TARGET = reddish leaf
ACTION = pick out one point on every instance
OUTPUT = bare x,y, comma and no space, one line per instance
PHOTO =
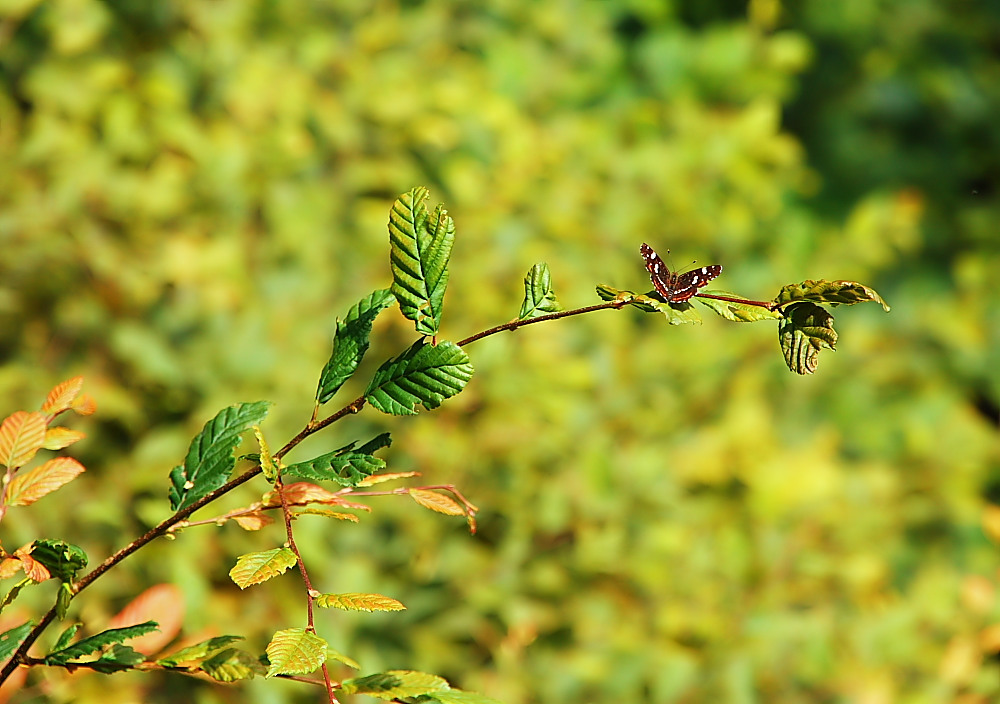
163,603
437,502
29,487
253,521
62,396
22,434
84,405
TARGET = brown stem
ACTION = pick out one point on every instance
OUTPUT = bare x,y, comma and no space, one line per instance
745,301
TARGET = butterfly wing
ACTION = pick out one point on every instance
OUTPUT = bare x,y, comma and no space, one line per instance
688,283
675,288
659,273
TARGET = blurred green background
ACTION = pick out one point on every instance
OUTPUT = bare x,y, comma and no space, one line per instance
192,191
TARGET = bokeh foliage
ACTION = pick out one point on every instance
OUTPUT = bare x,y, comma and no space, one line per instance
192,191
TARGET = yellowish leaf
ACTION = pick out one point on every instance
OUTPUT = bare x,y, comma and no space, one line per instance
257,567
22,434
388,477
329,514
991,522
9,566
59,437
29,487
62,396
33,568
84,405
359,602
436,501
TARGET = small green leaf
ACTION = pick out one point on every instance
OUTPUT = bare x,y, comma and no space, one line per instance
359,602
676,313
198,652
350,342
100,641
425,374
63,597
459,696
346,469
119,658
638,300
341,658
539,298
256,567
737,312
66,637
806,329
210,460
295,651
232,665
63,560
420,247
376,443
13,592
11,639
832,293
396,684
267,465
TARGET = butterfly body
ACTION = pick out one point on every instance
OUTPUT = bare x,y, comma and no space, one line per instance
676,287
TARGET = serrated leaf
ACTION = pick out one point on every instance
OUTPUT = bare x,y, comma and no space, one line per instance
806,329
62,559
119,658
359,602
295,651
13,592
833,293
376,443
62,396
396,684
267,466
436,501
11,639
329,513
350,342
210,459
28,487
59,437
419,250
347,469
539,297
102,640
256,567
737,312
676,313
460,696
255,520
232,665
391,476
425,374
22,434
66,637
198,652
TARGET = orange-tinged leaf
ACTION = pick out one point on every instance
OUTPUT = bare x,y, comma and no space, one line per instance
33,568
62,396
329,514
9,566
388,477
28,487
59,437
163,603
436,501
22,434
85,405
300,493
253,521
359,602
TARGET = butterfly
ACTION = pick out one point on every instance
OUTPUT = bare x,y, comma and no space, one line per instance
676,287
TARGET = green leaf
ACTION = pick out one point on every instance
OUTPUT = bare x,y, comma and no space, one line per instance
66,637
424,374
832,293
13,592
376,443
63,597
11,639
340,657
675,313
256,567
737,312
396,684
232,665
539,298
121,657
420,247
359,602
100,641
199,651
347,469
295,651
458,696
350,342
63,560
210,460
806,329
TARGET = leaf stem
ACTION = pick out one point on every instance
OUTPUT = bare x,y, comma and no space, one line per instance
770,305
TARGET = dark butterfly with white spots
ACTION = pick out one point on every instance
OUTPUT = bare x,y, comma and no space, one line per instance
672,286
